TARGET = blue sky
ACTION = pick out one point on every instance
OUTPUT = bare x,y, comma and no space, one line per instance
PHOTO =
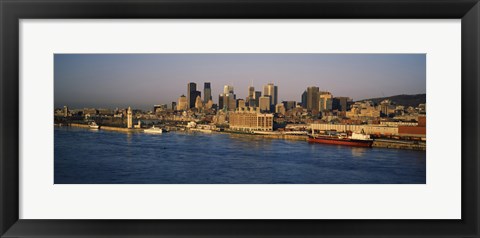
142,80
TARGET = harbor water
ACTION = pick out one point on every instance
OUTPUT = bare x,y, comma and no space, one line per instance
84,156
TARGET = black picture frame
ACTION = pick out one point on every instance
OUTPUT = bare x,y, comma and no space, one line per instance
11,11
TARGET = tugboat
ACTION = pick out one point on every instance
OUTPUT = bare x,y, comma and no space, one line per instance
153,130
356,139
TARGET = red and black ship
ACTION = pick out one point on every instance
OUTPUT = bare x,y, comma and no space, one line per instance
356,139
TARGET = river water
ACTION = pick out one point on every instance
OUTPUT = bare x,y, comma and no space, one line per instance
84,156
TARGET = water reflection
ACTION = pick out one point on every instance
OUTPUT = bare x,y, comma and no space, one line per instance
359,151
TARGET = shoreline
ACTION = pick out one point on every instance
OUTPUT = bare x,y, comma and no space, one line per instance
378,143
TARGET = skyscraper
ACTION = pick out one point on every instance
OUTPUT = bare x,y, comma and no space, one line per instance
191,88
304,99
251,93
207,92
192,94
270,90
230,101
264,103
341,103
325,101
228,98
313,94
227,89
220,101
257,95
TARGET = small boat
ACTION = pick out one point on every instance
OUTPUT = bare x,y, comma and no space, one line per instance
153,130
93,125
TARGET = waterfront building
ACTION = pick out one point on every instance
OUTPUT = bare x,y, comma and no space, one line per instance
368,129
207,92
182,103
280,108
174,105
247,120
264,103
129,118
313,98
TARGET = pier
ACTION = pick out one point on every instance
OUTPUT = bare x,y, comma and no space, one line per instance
108,128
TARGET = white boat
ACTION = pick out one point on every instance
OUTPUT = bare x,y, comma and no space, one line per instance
93,125
153,130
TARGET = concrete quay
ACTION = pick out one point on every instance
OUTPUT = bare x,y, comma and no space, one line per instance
395,144
108,128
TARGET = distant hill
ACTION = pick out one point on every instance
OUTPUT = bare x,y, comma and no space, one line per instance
405,100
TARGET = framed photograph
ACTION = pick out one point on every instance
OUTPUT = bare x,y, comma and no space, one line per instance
239,118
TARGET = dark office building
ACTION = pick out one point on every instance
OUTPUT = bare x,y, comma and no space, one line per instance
304,99
313,95
207,92
191,88
340,103
220,101
192,94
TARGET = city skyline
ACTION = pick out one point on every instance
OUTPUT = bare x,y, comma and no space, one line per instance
143,80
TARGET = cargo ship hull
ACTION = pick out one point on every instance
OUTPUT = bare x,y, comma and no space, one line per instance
338,141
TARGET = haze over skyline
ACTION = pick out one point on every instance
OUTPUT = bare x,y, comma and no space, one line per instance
143,80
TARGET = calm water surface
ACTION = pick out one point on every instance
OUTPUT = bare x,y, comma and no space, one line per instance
85,156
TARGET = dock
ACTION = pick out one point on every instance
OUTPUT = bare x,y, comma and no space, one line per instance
399,144
108,128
